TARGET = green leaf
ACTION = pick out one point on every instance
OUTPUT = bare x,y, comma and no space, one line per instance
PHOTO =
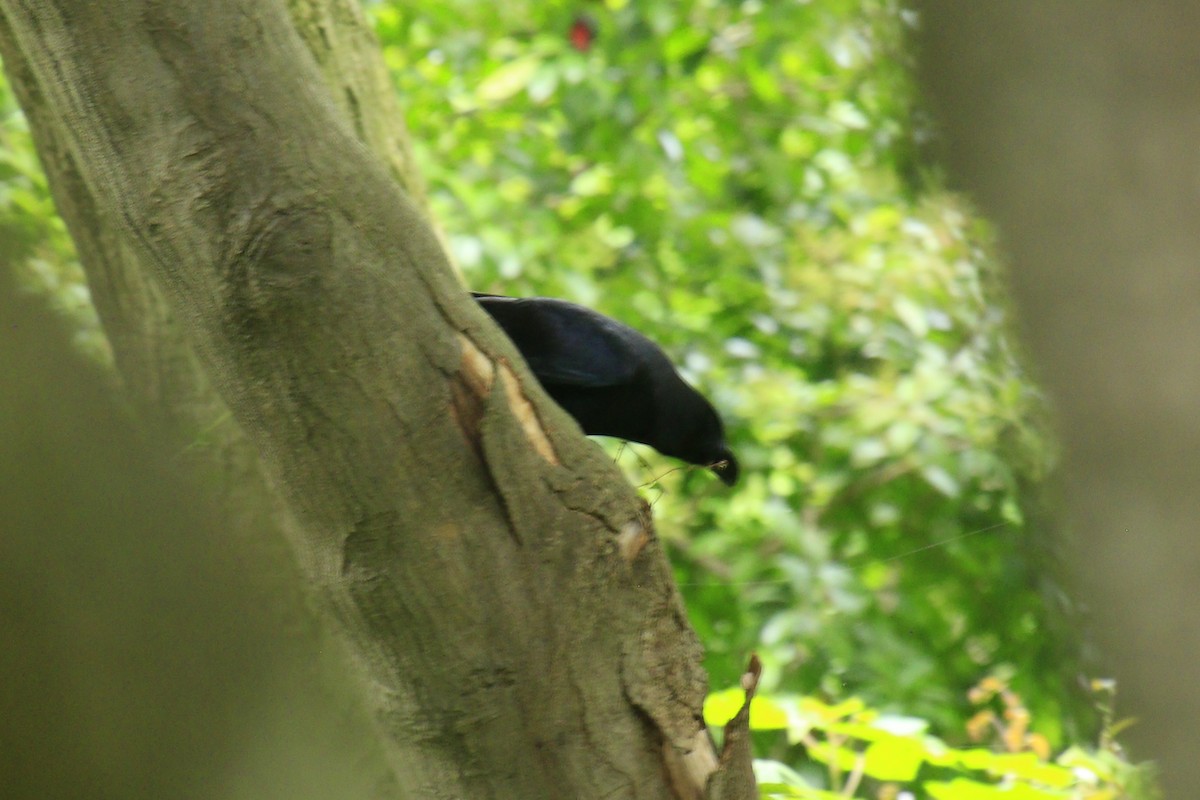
963,789
507,79
1027,766
592,182
868,450
765,714
844,758
722,706
912,315
941,480
894,758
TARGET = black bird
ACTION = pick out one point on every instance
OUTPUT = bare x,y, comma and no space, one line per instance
612,379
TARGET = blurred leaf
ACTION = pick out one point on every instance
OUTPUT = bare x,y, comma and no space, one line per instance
507,80
894,758
720,707
963,789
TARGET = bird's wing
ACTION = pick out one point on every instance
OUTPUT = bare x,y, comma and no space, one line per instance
566,344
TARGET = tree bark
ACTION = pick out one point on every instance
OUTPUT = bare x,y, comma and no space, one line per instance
340,39
155,362
496,577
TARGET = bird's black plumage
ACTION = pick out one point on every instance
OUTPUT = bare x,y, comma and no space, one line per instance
613,380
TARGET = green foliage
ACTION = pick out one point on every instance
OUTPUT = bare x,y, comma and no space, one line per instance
736,180
850,750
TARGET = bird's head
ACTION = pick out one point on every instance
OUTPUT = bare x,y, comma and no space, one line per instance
703,442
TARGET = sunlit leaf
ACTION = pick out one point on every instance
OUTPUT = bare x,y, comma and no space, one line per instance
963,789
765,714
894,758
507,79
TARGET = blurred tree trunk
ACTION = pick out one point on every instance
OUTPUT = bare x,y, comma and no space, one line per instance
1076,126
143,653
496,578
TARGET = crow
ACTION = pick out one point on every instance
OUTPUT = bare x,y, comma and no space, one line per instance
613,380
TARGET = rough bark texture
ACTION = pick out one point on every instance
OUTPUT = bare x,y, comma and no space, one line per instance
1076,125
156,363
346,50
499,582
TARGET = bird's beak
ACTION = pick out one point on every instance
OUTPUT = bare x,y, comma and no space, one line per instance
726,469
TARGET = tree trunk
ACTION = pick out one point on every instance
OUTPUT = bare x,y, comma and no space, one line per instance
499,581
1076,127
155,361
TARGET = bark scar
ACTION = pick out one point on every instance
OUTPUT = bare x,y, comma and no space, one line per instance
477,370
469,388
475,380
527,415
635,534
